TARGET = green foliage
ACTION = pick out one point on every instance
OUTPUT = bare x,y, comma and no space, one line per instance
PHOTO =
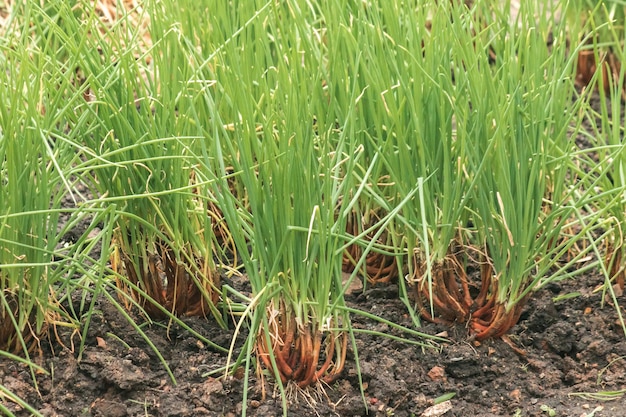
38,264
444,131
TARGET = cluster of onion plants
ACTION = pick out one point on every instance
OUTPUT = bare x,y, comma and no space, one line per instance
414,95
372,250
78,108
142,134
288,155
471,115
283,135
520,160
42,268
600,26
289,143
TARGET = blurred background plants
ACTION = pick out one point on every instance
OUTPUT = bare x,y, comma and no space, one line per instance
599,25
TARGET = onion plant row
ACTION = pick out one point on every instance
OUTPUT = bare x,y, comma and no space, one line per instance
299,146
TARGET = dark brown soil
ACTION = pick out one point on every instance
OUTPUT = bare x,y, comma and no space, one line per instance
571,347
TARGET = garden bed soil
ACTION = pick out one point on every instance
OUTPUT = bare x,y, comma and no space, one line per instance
556,352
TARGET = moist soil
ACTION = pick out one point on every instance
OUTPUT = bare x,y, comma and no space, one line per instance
556,361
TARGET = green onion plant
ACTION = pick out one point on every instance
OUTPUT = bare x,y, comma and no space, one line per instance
479,126
372,244
522,148
278,130
41,268
414,90
142,136
288,157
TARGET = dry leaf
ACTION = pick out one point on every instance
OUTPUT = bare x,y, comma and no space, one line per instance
438,409
437,373
101,342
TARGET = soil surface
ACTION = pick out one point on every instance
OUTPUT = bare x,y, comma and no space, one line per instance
558,351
